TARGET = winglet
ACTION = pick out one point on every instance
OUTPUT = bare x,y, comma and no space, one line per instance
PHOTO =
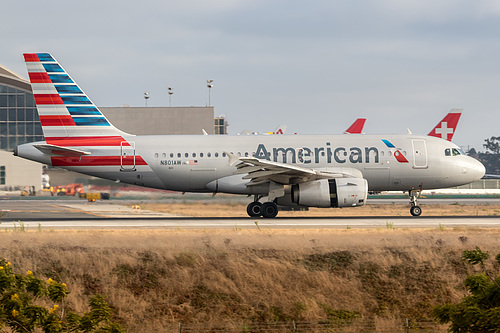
356,127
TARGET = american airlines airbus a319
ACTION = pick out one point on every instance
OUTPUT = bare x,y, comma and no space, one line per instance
296,170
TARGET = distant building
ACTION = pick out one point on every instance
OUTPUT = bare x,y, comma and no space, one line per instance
220,125
19,123
162,120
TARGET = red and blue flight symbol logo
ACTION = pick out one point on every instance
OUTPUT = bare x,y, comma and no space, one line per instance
397,153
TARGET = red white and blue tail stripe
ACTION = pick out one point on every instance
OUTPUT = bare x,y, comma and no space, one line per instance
65,111
76,133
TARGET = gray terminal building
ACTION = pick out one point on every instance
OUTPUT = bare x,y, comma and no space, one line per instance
19,123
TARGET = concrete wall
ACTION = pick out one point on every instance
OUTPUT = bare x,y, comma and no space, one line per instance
161,120
20,172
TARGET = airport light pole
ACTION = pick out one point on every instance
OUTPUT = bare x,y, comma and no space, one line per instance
210,86
170,93
146,96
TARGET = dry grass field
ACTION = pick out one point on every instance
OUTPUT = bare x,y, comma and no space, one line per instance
239,210
155,279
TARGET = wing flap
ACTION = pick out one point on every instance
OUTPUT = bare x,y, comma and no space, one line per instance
259,171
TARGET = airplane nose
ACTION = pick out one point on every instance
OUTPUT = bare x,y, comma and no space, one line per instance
477,170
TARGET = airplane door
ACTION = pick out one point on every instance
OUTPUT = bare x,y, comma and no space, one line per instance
419,154
127,156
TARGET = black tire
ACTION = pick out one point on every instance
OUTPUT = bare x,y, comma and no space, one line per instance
269,210
415,211
105,196
254,209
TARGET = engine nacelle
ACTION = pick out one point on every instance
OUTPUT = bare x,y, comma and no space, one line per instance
338,192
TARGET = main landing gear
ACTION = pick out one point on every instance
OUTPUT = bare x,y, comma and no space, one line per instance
266,210
415,210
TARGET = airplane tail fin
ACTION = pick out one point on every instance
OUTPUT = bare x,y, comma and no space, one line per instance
68,117
356,127
445,129
281,129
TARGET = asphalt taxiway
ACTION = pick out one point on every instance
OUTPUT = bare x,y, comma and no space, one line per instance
78,214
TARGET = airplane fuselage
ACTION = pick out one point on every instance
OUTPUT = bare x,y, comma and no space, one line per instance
191,163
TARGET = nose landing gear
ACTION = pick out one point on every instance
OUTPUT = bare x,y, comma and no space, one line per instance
415,210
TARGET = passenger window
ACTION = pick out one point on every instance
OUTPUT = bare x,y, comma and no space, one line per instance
389,153
178,154
382,153
209,154
171,154
455,152
156,155
194,154
186,155
164,155
246,154
223,154
447,152
216,154
201,154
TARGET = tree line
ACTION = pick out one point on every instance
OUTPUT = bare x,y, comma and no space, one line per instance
490,157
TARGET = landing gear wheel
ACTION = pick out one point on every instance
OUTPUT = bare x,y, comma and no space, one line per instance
254,209
415,210
269,210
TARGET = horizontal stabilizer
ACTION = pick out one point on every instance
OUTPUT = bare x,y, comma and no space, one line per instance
60,151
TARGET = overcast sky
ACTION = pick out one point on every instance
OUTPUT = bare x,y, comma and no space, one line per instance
312,65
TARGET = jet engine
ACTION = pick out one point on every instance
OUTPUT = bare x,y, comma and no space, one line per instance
338,192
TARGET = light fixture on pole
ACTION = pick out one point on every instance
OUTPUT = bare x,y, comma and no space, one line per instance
146,96
210,86
170,93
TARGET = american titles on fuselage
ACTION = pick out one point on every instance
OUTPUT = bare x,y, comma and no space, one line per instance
326,154
307,155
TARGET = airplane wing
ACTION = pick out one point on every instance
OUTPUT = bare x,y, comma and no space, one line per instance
60,151
262,171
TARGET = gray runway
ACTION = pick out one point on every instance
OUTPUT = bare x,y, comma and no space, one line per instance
78,214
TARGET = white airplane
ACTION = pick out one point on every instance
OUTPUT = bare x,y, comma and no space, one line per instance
355,128
304,170
281,129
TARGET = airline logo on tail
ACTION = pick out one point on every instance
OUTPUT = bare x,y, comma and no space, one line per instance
70,119
445,129
61,101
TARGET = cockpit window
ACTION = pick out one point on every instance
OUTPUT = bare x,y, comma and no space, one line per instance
453,151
